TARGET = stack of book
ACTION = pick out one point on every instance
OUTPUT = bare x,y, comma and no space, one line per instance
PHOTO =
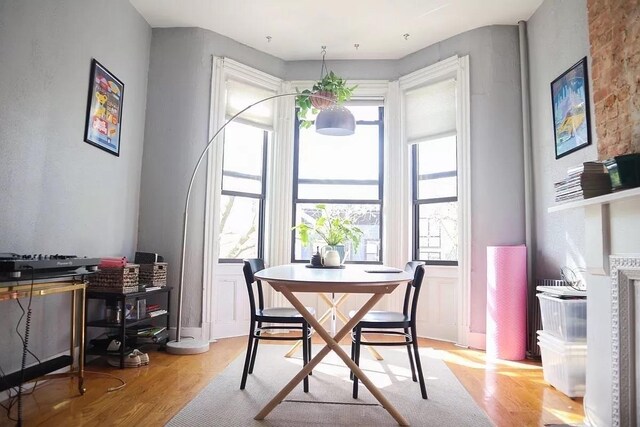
154,310
589,179
149,334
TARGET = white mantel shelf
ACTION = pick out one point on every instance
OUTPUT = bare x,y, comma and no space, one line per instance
600,200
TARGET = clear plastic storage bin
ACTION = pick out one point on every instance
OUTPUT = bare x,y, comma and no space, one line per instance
564,364
564,318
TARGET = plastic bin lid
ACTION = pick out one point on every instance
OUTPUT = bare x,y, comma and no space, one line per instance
561,346
561,291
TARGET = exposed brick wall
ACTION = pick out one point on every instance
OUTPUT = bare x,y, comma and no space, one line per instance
614,33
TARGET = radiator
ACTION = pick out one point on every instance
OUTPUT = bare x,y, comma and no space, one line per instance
534,319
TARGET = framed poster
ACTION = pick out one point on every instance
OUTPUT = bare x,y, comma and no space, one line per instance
570,101
104,109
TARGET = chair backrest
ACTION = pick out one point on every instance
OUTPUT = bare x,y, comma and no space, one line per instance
250,268
413,288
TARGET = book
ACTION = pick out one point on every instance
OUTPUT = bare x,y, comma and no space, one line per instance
152,288
156,313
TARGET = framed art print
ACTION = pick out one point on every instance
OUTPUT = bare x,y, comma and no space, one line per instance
104,109
570,101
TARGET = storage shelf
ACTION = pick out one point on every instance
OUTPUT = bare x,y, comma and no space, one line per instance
97,294
600,200
130,322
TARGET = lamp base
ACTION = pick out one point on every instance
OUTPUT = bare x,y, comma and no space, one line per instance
187,346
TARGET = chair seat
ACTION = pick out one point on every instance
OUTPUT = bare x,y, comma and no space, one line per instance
374,317
282,312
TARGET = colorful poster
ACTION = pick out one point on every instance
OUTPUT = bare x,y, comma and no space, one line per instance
570,98
104,110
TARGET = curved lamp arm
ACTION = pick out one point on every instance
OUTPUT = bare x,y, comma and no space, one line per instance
193,176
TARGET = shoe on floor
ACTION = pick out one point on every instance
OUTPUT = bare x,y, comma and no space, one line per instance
144,357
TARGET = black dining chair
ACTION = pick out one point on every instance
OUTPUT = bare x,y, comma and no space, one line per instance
383,322
290,317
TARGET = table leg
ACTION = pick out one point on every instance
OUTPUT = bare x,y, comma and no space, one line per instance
83,313
372,350
321,320
332,344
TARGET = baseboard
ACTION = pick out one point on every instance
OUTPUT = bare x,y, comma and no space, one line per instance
477,340
4,395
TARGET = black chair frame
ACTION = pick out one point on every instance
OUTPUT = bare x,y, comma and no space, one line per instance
252,266
408,326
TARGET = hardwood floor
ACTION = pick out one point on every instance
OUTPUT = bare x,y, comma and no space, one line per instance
510,393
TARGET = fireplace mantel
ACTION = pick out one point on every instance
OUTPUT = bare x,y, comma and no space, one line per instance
598,226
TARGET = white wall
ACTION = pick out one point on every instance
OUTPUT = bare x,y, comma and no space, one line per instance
59,194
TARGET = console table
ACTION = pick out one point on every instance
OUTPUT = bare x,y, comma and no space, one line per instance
77,289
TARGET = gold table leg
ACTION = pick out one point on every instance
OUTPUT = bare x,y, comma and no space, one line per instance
332,344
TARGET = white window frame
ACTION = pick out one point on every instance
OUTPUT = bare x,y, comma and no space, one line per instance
221,69
458,68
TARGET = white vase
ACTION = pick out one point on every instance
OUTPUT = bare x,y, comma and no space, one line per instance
331,258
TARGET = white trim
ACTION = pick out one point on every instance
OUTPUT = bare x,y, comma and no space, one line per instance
457,68
222,68
477,340
365,88
625,271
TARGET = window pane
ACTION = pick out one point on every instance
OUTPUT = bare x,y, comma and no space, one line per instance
435,188
243,155
353,158
437,168
365,217
438,231
239,227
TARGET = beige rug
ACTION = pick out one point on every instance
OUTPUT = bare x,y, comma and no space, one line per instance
222,403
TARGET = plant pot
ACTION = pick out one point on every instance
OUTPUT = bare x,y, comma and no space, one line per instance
322,103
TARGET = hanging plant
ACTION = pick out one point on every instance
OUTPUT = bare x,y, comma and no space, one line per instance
332,90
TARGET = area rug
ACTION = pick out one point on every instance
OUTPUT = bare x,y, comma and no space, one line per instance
221,403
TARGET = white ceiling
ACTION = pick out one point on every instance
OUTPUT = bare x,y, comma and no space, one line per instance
298,28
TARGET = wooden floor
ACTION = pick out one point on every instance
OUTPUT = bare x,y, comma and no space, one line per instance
510,393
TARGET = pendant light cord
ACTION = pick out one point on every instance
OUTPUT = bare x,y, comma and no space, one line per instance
323,68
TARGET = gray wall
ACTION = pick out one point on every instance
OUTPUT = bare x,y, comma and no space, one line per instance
176,132
59,194
558,38
497,179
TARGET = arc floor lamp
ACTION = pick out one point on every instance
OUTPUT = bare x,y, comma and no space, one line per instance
335,120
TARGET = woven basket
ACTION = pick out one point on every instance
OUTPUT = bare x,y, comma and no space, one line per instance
153,274
123,280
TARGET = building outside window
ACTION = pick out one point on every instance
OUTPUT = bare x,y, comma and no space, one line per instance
435,201
345,174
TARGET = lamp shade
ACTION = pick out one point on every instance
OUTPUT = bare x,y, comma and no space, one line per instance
336,121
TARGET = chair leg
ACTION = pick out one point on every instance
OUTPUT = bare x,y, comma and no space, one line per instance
255,348
309,346
356,360
353,351
247,359
305,355
408,341
423,387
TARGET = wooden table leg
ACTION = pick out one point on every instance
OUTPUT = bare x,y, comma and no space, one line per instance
372,350
332,344
321,320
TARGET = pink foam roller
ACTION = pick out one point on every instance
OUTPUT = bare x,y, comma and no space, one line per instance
507,302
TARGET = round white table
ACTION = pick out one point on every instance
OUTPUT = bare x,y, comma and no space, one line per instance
375,280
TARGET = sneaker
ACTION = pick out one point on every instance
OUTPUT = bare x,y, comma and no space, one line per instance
144,357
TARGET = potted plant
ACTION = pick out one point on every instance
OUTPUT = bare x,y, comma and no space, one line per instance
331,86
332,227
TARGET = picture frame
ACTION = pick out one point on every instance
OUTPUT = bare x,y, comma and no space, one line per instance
104,109
570,104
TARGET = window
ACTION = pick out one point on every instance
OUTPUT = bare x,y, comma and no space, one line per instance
431,129
435,201
243,192
345,174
